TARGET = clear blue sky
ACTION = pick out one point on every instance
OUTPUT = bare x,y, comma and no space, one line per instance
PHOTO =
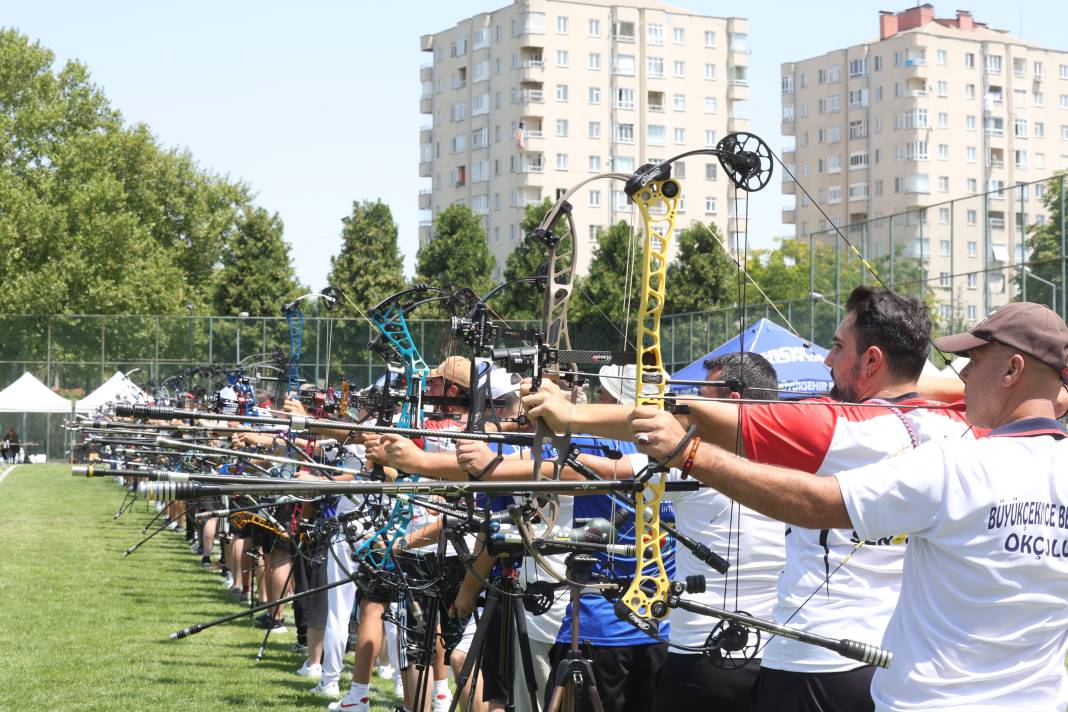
317,104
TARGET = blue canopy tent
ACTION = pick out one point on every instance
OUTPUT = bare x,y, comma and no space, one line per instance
798,363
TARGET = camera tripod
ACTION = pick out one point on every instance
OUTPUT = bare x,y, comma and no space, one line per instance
574,684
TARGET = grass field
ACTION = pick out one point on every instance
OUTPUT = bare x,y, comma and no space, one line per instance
82,628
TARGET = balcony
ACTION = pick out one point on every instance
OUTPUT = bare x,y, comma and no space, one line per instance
788,128
789,156
789,215
738,59
426,135
997,223
789,187
532,96
625,39
738,90
655,108
424,199
426,169
426,73
426,231
531,70
426,105
426,43
738,123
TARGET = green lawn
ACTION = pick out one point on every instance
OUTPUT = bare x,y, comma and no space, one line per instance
83,628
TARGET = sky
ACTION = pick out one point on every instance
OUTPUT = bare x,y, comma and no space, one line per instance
316,105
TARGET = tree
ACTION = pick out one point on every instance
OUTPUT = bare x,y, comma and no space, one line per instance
257,273
702,275
369,266
457,254
604,304
529,259
1044,243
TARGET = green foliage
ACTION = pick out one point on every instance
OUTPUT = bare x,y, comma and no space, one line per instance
257,274
369,266
702,274
1044,243
523,301
604,304
456,254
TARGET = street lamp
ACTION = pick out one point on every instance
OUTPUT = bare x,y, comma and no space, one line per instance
240,318
1027,272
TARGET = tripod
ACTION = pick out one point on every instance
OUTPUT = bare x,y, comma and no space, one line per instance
504,614
573,678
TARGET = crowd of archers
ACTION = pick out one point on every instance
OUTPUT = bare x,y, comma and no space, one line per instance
556,542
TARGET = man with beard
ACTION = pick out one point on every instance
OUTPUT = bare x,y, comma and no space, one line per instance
834,583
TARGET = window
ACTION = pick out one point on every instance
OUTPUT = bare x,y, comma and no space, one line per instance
594,95
459,111
971,155
858,191
594,129
624,133
655,34
972,216
1019,128
943,88
1038,99
973,281
969,123
1064,132
678,35
973,312
481,38
1019,98
834,134
561,92
561,128
943,184
680,169
710,41
561,161
973,246
459,143
562,58
943,120
1021,159
480,71
858,159
971,185
595,164
858,98
593,28
480,104
593,61
834,73
834,195
710,205
480,204
624,98
834,163
858,67
678,69
943,245
710,104
969,60
943,57
561,25
1040,129
711,170
624,65
710,72
969,91
710,137
623,164
993,63
679,135
943,151
916,151
858,129
834,103
656,134
595,199
655,67
788,84
1064,101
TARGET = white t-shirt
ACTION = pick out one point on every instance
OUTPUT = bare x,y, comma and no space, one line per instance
982,623
860,596
545,627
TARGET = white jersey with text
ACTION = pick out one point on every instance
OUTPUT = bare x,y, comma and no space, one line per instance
817,592
982,623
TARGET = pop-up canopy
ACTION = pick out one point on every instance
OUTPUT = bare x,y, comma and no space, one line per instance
28,395
117,389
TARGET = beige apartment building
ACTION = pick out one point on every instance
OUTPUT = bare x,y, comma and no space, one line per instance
529,100
934,109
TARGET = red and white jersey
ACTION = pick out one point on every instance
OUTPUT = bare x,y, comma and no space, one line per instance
859,598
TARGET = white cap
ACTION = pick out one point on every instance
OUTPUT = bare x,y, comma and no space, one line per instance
619,381
502,383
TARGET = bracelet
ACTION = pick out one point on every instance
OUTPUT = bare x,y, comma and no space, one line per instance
687,465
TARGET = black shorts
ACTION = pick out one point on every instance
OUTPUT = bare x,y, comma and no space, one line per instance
783,691
694,682
309,571
626,676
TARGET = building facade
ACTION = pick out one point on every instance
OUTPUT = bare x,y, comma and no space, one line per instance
939,118
531,99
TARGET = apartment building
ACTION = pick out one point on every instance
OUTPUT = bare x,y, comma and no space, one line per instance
529,100
935,109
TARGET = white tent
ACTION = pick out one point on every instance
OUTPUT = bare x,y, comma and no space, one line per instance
28,395
117,389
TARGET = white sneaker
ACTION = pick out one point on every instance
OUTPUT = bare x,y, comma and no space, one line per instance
384,671
329,689
441,703
351,704
228,580
398,685
313,672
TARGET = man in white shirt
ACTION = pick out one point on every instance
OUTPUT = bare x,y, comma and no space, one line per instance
982,621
